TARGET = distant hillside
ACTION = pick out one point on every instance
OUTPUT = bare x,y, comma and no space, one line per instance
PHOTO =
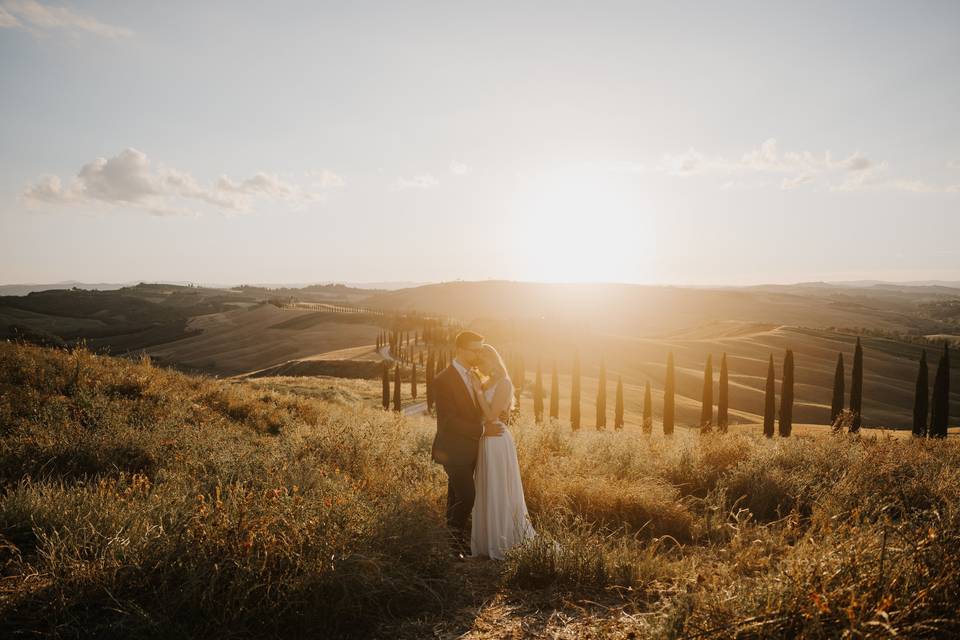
633,328
24,289
641,310
167,320
121,320
263,336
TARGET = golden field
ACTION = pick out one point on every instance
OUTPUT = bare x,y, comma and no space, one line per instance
141,502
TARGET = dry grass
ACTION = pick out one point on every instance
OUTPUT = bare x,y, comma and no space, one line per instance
139,502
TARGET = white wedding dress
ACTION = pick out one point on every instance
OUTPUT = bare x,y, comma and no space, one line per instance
500,517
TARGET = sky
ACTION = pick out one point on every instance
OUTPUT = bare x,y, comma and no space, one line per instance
649,142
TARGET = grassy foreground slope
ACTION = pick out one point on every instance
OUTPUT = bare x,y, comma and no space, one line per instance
141,502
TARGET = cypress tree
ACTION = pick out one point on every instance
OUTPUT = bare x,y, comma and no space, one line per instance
396,389
413,380
706,407
386,386
856,389
555,393
940,404
836,406
421,358
723,402
431,364
668,397
647,410
575,393
786,396
769,401
602,397
538,396
921,398
618,409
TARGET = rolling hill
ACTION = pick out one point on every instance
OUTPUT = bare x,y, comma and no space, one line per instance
633,328
233,332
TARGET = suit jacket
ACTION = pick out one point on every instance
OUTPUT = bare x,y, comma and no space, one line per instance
459,421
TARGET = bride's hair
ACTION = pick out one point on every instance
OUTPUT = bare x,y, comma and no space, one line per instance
501,372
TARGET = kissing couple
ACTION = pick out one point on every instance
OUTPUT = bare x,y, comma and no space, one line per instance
474,396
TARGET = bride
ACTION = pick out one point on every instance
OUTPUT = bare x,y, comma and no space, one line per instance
500,517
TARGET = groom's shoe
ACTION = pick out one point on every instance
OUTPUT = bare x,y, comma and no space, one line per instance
461,551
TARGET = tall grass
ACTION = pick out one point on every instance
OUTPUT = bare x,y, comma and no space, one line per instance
142,502
139,502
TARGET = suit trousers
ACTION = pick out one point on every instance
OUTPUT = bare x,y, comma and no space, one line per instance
461,493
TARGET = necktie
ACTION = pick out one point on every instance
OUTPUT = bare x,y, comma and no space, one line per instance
471,390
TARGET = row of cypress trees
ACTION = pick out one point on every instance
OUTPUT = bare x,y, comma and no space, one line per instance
669,400
774,421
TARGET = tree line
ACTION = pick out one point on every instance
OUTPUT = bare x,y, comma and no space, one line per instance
930,413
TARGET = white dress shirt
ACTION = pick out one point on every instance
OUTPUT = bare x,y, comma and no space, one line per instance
465,376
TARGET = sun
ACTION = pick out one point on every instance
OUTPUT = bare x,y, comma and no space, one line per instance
582,226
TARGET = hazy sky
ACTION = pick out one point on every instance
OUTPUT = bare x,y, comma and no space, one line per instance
700,142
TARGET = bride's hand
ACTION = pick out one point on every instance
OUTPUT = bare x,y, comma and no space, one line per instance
477,386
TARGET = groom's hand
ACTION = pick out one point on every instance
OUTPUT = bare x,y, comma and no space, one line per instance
492,429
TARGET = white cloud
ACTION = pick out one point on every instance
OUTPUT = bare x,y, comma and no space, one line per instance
128,179
953,164
854,172
38,18
125,177
857,162
793,183
459,168
326,179
7,21
263,184
692,162
424,181
49,189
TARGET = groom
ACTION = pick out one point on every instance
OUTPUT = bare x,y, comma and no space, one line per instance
460,425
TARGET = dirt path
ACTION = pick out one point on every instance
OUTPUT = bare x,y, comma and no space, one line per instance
415,409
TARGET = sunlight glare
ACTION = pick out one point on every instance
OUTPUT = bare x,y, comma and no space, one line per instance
583,226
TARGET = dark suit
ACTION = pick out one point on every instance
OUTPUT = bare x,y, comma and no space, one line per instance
459,428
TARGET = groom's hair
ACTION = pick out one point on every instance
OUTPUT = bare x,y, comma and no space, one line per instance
464,338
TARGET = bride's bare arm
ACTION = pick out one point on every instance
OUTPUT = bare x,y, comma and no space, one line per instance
485,406
499,402
501,399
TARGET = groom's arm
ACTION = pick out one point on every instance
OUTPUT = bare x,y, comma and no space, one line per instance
447,414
